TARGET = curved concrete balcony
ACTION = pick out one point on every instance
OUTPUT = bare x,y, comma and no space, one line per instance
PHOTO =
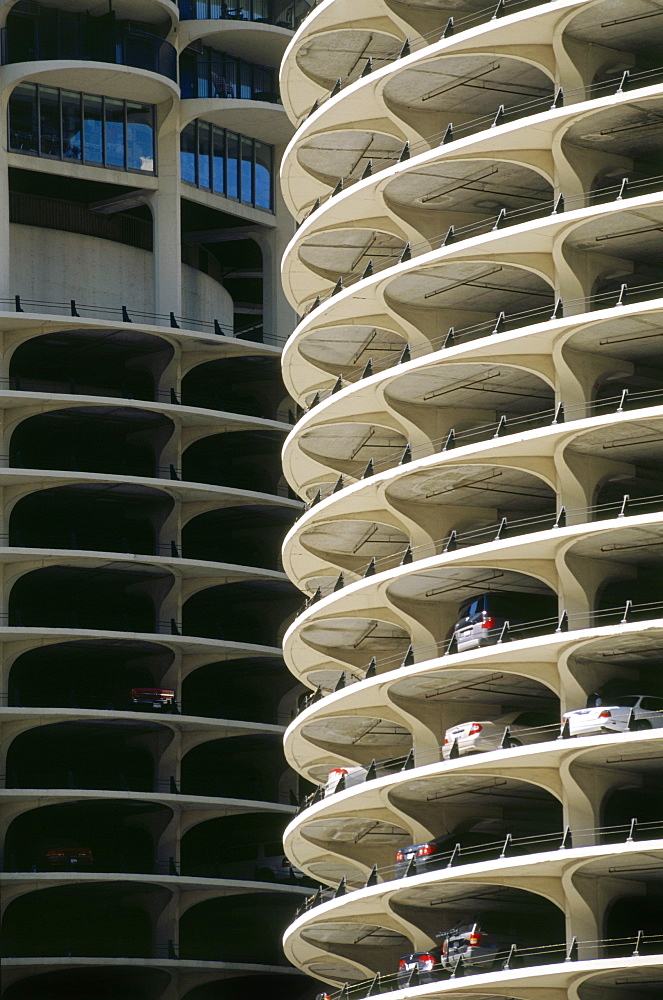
163,12
419,602
400,104
253,40
385,713
185,974
263,120
327,838
95,77
21,315
405,477
412,905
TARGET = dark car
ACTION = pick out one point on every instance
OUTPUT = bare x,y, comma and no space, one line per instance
153,699
481,619
64,856
428,964
432,854
484,942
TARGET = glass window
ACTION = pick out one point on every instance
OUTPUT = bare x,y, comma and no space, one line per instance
232,189
188,154
140,137
264,197
49,120
115,133
23,118
219,160
203,154
247,170
93,129
72,140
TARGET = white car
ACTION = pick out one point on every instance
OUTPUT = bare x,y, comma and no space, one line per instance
477,737
352,775
647,714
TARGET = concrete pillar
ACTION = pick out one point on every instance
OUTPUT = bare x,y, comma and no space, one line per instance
165,207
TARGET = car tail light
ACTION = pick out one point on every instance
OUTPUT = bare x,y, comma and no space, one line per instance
475,728
55,852
402,964
445,741
428,961
426,850
488,622
475,939
85,853
444,947
339,770
400,856
605,714
286,864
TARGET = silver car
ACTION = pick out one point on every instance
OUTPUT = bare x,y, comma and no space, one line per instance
647,714
477,737
482,618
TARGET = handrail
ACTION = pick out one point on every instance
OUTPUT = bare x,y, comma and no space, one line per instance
501,530
623,947
500,116
506,846
497,429
417,655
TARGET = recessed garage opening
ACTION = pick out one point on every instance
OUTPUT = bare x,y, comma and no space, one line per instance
242,767
90,362
86,675
93,517
82,755
249,689
240,929
246,536
244,460
64,597
283,987
630,914
114,441
109,921
87,836
247,847
82,984
253,612
250,385
644,804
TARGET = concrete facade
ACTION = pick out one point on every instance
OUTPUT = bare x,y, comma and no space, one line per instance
478,199
143,503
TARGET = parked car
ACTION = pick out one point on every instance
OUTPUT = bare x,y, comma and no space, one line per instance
614,718
436,853
265,862
64,856
152,699
477,737
482,618
482,942
352,775
427,962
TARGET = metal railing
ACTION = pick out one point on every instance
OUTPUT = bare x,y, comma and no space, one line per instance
282,14
508,846
499,531
502,115
623,614
635,945
505,218
75,39
497,9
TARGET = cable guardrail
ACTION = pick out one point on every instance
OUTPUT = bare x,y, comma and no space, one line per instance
503,323
495,10
635,945
508,846
503,220
502,115
500,428
172,395
122,314
496,532
622,614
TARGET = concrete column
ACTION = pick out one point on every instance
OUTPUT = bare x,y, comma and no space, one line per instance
165,207
5,281
280,318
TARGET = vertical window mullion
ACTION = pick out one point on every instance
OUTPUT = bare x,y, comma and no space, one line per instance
103,131
197,156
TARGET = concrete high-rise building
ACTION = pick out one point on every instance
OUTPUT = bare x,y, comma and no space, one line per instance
144,697
477,268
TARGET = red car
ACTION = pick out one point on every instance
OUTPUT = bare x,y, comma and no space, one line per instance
66,857
152,699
